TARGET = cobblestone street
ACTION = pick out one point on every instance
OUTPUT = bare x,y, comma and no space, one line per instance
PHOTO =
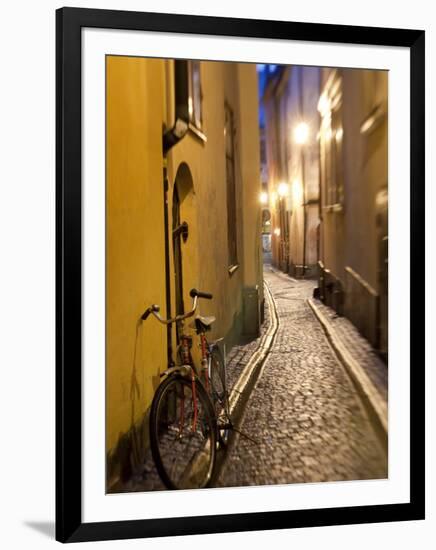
304,413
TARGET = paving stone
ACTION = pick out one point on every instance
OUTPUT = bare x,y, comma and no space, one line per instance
304,414
358,347
304,409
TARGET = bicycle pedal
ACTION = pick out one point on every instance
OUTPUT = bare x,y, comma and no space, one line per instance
226,426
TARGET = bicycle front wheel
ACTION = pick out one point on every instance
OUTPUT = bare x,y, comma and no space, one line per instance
183,434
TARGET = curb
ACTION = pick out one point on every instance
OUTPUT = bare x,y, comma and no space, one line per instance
247,380
252,368
376,403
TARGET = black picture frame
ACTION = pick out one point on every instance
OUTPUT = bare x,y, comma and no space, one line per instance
69,525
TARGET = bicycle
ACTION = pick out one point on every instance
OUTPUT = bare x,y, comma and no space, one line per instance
189,415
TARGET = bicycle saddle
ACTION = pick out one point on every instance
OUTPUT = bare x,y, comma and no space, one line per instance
204,323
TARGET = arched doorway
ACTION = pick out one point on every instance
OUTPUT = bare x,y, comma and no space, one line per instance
184,238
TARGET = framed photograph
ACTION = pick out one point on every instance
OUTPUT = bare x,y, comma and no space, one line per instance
240,228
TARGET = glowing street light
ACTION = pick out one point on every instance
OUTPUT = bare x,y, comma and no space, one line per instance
301,133
323,104
263,197
283,189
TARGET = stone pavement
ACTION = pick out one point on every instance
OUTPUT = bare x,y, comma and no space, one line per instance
239,355
358,347
304,412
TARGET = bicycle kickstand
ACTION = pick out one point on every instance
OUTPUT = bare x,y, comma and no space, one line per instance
245,435
230,426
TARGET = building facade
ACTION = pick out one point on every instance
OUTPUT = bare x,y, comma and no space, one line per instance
354,198
183,212
327,155
291,123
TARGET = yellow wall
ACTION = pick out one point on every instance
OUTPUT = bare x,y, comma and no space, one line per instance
140,98
205,207
249,163
135,238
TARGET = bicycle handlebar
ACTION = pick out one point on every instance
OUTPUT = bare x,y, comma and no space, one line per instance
154,309
194,292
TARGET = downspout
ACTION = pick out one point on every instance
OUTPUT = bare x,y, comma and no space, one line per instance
304,211
303,177
167,261
170,138
321,247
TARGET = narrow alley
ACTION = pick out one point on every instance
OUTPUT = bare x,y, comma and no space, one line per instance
304,413
304,418
247,254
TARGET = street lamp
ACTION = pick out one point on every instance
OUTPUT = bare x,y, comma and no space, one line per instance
301,133
283,190
324,104
263,197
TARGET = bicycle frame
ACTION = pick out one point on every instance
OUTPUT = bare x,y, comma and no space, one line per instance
187,368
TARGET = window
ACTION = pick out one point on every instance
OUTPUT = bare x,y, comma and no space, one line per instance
189,96
229,134
195,95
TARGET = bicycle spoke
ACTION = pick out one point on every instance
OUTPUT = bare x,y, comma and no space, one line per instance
183,448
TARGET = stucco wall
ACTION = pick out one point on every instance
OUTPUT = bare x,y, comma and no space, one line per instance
140,100
134,238
350,235
222,82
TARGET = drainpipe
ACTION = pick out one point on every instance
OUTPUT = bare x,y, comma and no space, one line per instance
303,179
320,259
174,135
167,261
170,138
305,209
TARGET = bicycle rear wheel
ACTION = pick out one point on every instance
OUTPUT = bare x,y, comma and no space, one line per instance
183,434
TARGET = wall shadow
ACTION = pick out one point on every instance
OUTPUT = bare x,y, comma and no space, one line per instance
46,528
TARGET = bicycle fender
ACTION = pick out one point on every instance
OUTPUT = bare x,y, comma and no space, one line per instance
183,370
